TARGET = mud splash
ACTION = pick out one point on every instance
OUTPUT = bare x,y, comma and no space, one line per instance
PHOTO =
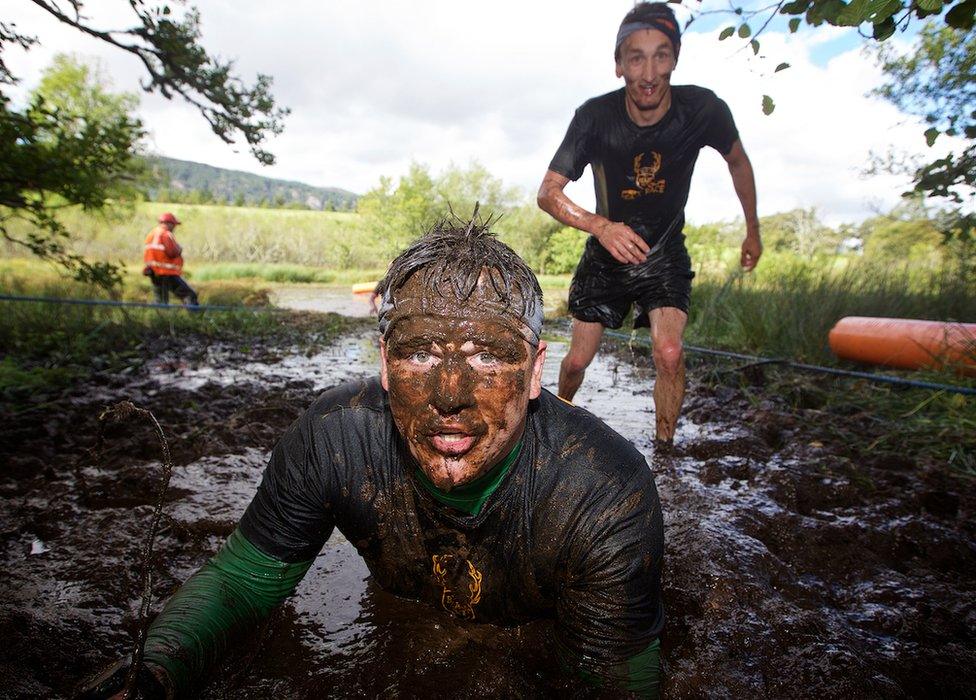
796,566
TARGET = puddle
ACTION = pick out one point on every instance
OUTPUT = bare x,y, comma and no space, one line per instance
793,567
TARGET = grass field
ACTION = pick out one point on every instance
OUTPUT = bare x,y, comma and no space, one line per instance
784,308
236,256
217,234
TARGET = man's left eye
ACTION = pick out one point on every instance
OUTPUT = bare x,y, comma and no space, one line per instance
486,358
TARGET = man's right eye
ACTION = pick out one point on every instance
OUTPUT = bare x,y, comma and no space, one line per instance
421,357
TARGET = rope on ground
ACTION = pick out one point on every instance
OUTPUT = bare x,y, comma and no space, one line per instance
138,304
756,359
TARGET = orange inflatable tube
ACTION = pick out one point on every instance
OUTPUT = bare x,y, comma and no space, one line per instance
905,343
363,287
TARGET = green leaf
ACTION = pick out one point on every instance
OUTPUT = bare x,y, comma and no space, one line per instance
931,135
854,13
726,33
755,46
962,15
781,66
744,31
929,5
825,10
880,9
795,8
768,105
884,29
794,25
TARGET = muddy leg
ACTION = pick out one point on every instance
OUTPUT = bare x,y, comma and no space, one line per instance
667,329
582,349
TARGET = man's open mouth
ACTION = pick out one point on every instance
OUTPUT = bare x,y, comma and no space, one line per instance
452,444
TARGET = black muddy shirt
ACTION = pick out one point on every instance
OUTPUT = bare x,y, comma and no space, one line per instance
642,174
573,532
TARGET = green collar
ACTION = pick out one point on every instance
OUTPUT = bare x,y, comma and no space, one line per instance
471,497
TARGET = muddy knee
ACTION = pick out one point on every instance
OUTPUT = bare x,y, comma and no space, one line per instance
668,356
575,364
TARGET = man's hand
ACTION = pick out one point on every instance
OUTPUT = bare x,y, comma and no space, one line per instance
751,251
622,243
110,684
619,239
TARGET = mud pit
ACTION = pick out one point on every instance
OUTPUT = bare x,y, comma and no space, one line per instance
795,566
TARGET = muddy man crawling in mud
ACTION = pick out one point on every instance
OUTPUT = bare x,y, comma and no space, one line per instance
459,480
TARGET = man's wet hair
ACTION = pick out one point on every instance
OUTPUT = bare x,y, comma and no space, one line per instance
451,259
649,15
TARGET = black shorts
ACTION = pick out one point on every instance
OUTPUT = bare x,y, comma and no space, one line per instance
603,289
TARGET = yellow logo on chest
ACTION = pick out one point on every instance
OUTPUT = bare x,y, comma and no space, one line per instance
644,177
453,574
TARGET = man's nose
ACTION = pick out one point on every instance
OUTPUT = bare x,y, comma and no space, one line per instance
651,70
452,387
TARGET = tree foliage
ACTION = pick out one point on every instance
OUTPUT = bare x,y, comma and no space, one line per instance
74,142
397,212
876,20
167,45
936,80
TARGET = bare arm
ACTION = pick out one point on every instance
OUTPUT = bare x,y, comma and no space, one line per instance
745,188
619,239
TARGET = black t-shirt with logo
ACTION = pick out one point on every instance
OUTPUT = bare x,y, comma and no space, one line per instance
642,175
574,531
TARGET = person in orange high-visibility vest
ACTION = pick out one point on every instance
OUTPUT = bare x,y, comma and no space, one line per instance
164,263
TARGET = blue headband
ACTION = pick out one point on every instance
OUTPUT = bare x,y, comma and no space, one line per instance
664,24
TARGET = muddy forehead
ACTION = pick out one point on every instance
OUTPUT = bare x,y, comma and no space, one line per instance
419,310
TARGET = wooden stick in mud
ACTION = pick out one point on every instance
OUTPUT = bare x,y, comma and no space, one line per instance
122,411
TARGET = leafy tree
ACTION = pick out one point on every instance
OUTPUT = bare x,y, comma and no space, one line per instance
937,81
907,232
167,45
76,148
799,231
74,143
876,20
396,213
530,232
900,240
563,251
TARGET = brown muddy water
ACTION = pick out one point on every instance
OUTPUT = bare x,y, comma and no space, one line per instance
796,566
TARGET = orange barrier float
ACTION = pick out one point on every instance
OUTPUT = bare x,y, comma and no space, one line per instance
905,343
363,287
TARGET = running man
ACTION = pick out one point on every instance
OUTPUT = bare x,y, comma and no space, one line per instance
460,481
641,142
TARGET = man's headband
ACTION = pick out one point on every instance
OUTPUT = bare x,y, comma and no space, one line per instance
662,19
528,320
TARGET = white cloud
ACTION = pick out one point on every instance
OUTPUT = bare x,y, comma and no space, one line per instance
374,86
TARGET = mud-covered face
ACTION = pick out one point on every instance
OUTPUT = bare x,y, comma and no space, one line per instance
459,383
646,62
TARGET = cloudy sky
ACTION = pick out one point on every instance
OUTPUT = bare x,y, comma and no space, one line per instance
374,86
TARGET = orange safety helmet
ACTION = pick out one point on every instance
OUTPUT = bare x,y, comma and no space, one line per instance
168,218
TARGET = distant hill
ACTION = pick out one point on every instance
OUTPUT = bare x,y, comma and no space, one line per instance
186,181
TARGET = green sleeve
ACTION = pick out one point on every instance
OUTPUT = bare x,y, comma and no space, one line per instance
639,675
234,590
644,672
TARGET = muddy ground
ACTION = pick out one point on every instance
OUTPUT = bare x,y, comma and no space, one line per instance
798,564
